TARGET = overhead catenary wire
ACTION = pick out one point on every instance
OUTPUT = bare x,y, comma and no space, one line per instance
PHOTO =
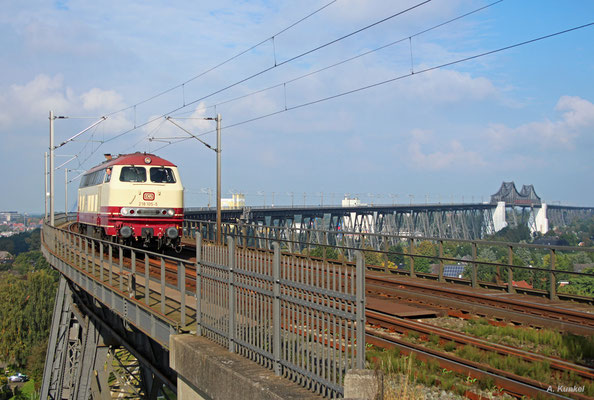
408,37
294,58
182,85
400,77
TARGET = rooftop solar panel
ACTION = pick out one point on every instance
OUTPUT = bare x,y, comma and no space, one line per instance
453,271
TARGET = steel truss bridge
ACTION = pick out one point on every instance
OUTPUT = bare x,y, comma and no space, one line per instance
470,221
455,221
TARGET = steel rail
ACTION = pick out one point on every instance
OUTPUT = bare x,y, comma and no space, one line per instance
473,307
514,385
552,312
401,325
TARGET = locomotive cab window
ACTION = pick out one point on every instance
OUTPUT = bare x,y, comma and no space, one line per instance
162,175
133,174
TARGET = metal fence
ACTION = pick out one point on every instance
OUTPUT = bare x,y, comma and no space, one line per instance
305,319
302,318
491,264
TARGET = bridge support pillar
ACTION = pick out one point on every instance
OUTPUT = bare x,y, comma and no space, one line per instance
499,221
541,221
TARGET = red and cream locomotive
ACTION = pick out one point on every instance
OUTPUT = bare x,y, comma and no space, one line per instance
132,198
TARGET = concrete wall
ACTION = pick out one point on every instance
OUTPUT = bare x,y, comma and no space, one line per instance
208,371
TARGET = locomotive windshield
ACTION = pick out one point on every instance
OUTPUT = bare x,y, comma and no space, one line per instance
162,175
133,174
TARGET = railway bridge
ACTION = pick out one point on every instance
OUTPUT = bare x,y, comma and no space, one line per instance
507,207
260,315
219,321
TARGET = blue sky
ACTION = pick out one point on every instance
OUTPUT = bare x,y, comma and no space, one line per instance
526,114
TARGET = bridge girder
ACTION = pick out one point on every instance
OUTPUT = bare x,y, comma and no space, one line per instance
84,339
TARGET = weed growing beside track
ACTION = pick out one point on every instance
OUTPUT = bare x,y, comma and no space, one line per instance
567,346
406,377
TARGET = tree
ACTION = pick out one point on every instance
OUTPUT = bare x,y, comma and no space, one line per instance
580,284
393,257
30,261
26,304
423,264
331,252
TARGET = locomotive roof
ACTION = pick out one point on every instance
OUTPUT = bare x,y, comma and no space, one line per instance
133,159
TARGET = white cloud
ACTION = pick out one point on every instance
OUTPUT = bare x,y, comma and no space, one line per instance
38,96
101,100
448,86
452,156
577,118
33,100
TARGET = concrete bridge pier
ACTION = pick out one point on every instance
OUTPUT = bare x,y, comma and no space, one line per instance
499,221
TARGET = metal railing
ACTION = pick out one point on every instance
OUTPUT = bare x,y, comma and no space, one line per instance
513,267
304,319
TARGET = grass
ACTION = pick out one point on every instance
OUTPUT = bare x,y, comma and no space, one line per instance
548,342
405,376
27,391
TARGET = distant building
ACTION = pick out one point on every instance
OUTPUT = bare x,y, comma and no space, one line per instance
7,216
5,257
521,284
352,202
237,201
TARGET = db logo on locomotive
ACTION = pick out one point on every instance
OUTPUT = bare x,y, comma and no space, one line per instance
148,196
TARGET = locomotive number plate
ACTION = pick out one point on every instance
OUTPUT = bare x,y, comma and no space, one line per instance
148,196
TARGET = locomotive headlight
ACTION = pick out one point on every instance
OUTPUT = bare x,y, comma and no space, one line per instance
125,211
125,231
172,232
171,212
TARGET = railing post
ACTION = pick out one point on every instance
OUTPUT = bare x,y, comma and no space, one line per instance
552,277
385,255
93,257
360,312
121,263
147,288
231,283
101,262
510,272
411,252
110,265
132,277
198,284
162,286
86,255
440,277
60,247
181,270
473,276
80,257
72,244
244,234
276,309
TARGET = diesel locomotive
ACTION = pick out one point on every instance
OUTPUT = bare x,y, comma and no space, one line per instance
133,199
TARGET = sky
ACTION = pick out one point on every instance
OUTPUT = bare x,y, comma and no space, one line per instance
446,134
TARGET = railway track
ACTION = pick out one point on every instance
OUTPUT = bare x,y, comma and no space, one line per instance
403,326
390,288
514,385
498,305
494,305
